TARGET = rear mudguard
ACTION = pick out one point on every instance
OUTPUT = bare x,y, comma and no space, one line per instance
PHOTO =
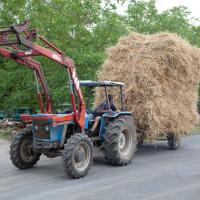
106,116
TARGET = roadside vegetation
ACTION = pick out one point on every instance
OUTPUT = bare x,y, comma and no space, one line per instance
83,29
6,133
8,127
196,130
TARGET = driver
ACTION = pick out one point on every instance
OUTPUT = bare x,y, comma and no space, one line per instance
103,108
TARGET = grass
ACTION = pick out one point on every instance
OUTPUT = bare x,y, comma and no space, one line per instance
6,133
196,130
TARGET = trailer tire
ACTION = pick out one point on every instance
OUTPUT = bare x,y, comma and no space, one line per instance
174,141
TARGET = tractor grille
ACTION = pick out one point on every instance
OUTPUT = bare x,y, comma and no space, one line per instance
40,132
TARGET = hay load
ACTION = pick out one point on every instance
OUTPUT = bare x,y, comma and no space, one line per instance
161,73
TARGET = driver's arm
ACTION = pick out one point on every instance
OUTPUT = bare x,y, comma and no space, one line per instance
103,108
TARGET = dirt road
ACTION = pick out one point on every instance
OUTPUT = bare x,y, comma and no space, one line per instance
154,174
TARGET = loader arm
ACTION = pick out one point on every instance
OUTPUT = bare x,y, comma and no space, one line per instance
15,37
36,67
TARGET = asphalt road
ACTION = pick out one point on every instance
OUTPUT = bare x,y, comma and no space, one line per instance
154,174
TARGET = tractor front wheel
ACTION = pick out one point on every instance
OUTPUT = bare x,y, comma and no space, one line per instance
78,155
120,141
21,152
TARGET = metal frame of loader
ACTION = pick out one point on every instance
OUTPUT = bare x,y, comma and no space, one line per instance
25,37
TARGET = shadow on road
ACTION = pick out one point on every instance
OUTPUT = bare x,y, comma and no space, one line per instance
146,149
151,148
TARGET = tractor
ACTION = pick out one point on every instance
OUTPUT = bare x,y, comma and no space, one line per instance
65,133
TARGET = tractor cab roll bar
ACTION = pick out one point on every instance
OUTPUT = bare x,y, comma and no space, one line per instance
17,43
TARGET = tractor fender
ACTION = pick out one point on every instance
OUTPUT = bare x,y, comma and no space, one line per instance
106,116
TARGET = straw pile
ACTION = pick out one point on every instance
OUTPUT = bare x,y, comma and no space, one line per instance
161,73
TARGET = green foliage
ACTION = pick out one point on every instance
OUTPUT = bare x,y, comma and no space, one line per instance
83,29
5,133
144,17
80,28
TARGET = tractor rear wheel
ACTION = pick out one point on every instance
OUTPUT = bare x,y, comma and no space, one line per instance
21,152
78,155
120,141
174,141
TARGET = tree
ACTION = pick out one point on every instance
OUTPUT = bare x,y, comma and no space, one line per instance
75,26
83,29
143,16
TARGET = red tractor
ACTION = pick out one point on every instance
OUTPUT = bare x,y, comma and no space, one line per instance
64,134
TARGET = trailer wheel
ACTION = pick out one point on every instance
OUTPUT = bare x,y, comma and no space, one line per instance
120,141
174,141
78,155
21,153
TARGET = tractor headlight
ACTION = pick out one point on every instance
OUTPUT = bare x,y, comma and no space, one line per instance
36,127
46,128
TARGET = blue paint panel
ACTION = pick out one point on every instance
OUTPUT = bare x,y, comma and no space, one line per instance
56,133
102,128
42,115
86,121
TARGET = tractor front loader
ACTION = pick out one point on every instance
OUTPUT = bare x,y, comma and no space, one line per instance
64,134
